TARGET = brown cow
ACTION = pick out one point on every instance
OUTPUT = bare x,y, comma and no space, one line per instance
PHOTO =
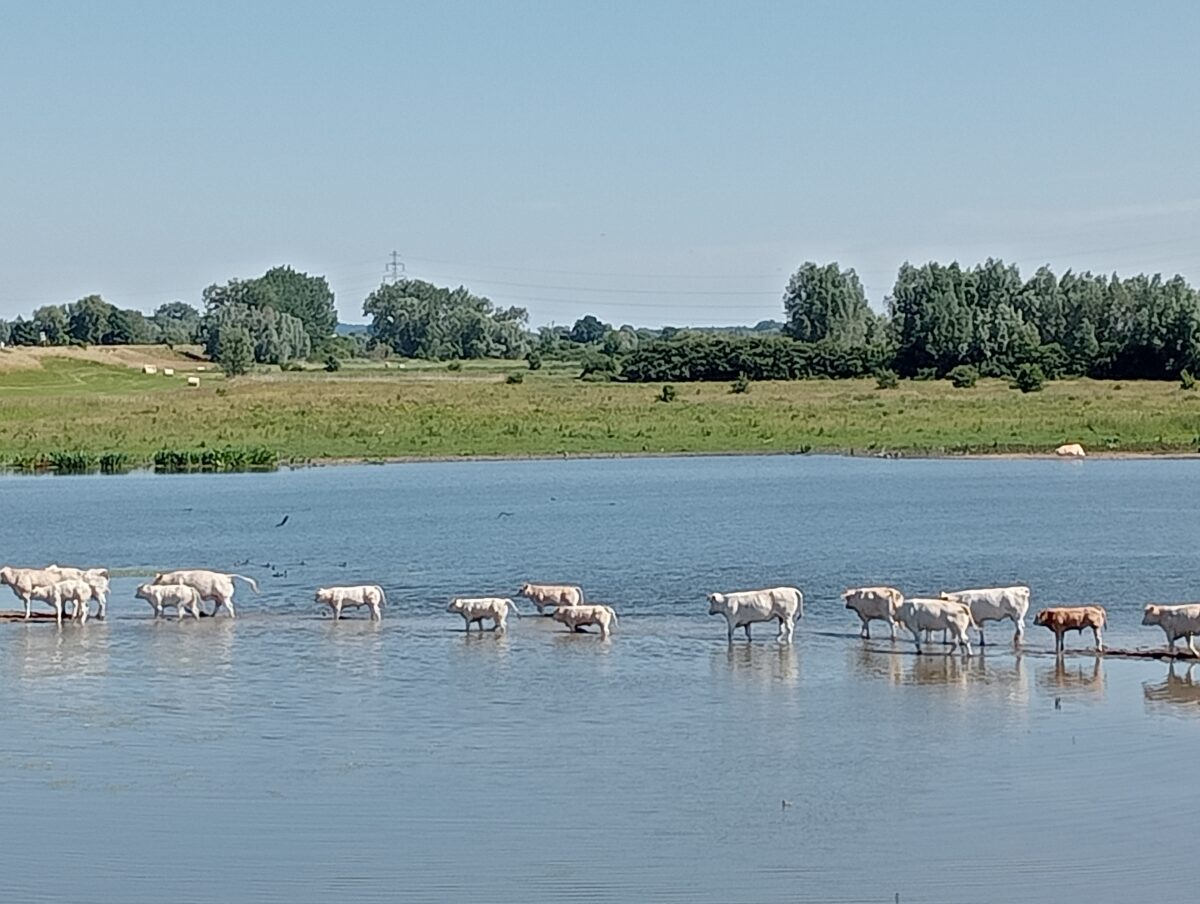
1073,618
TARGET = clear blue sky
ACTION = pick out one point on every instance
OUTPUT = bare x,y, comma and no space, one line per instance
648,162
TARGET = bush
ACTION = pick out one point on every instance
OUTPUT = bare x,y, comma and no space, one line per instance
332,364
667,393
292,365
535,360
741,384
515,377
595,362
1029,378
886,379
963,376
1186,380
454,365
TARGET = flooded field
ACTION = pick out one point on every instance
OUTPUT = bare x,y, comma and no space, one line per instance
283,757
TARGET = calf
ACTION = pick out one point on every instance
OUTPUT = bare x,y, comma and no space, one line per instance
575,617
919,615
743,608
874,603
70,590
212,585
183,597
478,608
369,595
1062,619
543,595
97,579
1176,622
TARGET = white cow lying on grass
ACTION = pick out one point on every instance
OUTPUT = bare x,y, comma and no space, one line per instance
475,609
874,603
67,591
995,604
182,596
543,595
96,578
23,580
575,617
919,615
745,607
1176,622
369,595
212,585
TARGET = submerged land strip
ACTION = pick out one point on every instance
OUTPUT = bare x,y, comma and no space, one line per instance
87,406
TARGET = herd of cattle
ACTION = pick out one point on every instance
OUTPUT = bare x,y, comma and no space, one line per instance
954,613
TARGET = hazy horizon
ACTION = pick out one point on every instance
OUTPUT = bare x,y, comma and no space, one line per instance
651,164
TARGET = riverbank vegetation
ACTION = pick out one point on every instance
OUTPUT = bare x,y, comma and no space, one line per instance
377,411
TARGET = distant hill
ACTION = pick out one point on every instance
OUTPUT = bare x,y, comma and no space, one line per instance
352,329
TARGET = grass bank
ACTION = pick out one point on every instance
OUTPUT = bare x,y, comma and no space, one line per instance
68,405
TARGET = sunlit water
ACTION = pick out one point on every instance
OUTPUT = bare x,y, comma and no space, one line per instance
282,757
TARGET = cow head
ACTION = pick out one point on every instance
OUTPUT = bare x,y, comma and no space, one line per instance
7,576
525,589
1152,614
143,591
1042,618
716,603
456,605
323,595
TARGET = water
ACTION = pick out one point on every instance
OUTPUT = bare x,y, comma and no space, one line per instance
282,757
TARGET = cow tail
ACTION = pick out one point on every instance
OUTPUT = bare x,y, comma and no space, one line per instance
382,596
250,581
614,614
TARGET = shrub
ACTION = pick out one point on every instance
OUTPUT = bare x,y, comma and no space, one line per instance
667,393
515,377
535,360
741,384
1029,378
1186,380
595,362
454,365
291,365
886,379
963,376
332,364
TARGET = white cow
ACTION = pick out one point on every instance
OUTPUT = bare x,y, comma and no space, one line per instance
475,609
369,595
23,580
1176,622
919,615
212,585
543,595
69,590
97,579
743,608
575,617
995,604
183,597
1070,450
874,603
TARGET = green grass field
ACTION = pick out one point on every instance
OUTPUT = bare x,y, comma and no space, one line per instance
423,410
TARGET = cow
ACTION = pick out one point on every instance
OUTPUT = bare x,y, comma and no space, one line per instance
1176,622
212,585
97,579
475,609
745,607
68,590
543,595
995,604
575,617
369,595
1070,450
23,580
183,597
871,603
1062,619
919,615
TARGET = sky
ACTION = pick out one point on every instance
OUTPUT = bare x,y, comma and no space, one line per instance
653,163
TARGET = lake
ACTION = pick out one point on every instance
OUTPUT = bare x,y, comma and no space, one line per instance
285,757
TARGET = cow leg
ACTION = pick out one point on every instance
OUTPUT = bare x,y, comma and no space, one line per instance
746,628
892,627
1100,640
1020,632
103,600
916,633
337,611
981,640
81,609
729,630
28,604
865,633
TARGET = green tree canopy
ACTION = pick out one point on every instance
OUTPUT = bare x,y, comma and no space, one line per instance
89,319
827,303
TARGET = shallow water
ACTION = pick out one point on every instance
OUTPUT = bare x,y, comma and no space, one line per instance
282,757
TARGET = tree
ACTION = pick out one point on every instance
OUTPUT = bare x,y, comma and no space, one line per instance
5,332
23,332
127,327
51,321
307,298
235,351
274,338
588,329
826,303
417,319
178,322
89,319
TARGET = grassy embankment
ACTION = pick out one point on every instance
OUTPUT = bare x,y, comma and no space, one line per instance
70,403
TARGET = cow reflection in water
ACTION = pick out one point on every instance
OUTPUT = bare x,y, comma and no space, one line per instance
1073,677
48,652
1180,691
763,663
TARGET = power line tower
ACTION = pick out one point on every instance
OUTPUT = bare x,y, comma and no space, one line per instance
394,271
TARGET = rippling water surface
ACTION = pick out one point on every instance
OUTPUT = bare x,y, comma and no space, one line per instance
282,757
